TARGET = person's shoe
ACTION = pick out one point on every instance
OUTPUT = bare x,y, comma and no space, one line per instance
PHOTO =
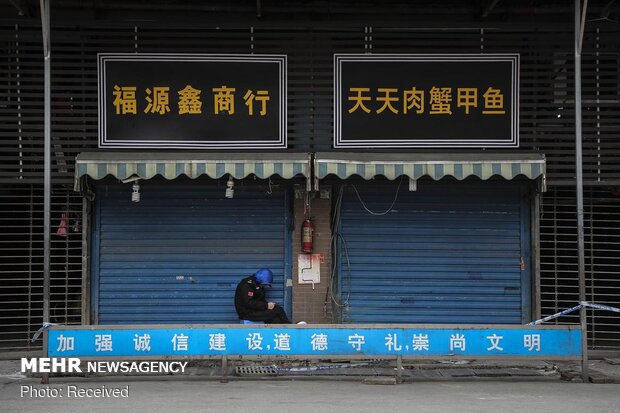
302,322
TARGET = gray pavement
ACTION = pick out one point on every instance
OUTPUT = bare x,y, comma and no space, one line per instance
347,390
156,396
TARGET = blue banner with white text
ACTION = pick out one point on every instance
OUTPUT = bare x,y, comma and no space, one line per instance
311,340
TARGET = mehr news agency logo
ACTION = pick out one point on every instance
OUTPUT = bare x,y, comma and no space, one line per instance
74,365
68,365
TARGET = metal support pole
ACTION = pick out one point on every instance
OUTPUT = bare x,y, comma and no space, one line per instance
45,27
45,377
579,185
224,378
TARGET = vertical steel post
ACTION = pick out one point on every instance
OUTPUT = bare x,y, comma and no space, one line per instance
45,377
579,184
45,28
224,378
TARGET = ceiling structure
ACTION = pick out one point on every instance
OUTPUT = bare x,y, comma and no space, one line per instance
412,12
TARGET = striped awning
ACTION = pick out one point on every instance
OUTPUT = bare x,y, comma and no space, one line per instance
434,165
123,165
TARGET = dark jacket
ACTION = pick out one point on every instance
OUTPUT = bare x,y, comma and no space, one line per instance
249,297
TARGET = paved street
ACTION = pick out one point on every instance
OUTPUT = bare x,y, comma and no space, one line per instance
442,387
155,395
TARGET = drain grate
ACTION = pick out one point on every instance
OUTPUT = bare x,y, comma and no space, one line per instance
256,371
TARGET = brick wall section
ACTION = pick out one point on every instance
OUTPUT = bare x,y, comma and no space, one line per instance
309,304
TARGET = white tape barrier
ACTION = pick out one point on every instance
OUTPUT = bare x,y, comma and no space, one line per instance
600,306
575,308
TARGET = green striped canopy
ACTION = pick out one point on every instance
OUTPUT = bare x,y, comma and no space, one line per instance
123,165
437,165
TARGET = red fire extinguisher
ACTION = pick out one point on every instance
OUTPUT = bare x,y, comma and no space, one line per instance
307,231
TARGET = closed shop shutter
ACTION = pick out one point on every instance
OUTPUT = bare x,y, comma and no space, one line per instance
446,253
177,255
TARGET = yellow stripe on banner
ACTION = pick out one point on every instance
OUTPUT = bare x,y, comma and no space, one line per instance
487,171
527,170
91,170
506,170
268,169
112,168
169,170
132,169
448,169
192,170
408,170
151,170
248,168
210,169
287,170
351,169
433,172
371,171
305,169
389,171
468,170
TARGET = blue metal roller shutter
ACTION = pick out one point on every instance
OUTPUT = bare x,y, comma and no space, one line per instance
446,253
178,254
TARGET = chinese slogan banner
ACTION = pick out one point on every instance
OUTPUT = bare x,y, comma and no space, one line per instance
192,101
426,101
563,341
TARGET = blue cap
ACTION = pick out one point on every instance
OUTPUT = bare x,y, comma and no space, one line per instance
264,276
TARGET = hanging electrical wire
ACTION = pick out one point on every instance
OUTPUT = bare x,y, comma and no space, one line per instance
345,302
329,294
387,210
337,236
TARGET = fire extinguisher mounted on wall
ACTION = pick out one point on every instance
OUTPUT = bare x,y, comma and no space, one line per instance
307,235
307,228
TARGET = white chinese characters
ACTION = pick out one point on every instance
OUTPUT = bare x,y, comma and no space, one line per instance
103,342
457,342
391,342
420,342
255,341
142,343
283,342
217,342
531,342
319,342
357,341
495,339
65,343
179,342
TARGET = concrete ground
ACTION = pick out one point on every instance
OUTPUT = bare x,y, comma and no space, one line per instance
465,387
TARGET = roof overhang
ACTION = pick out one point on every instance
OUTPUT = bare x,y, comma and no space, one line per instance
435,165
123,165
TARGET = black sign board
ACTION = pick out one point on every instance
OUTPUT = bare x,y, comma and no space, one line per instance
426,101
192,101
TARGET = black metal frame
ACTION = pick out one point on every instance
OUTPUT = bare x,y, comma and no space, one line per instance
547,122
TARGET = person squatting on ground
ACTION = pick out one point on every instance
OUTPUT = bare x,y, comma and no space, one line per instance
250,301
